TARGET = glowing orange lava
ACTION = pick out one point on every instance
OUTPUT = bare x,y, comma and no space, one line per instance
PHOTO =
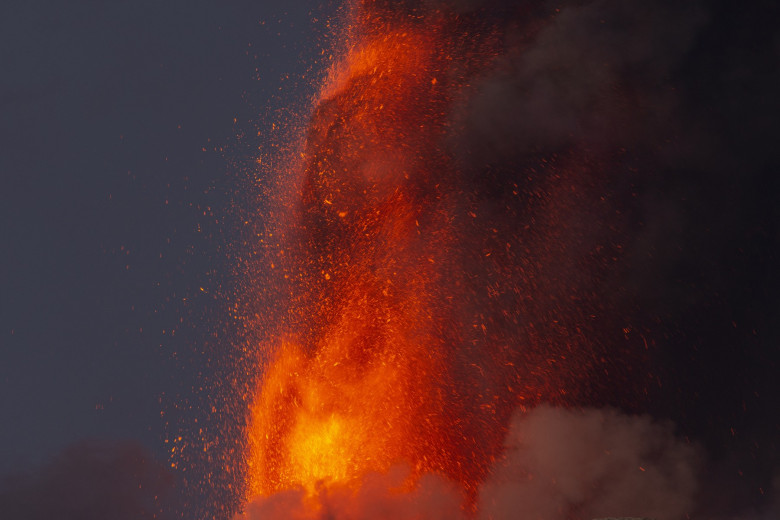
351,391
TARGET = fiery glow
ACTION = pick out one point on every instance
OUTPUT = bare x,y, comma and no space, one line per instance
353,390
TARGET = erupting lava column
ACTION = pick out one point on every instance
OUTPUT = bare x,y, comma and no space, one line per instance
359,383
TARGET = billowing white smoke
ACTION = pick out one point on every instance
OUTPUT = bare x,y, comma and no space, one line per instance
559,464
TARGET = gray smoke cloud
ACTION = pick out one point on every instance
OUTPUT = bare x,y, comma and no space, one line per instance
564,464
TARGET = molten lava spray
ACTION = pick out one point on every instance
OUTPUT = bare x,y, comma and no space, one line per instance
429,299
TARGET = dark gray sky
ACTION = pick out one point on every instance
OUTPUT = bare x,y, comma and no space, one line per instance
113,114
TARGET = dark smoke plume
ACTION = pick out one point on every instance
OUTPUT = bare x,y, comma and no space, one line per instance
596,76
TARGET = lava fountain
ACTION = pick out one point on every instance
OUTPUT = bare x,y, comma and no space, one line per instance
427,302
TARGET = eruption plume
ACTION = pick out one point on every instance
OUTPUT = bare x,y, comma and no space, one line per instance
447,267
